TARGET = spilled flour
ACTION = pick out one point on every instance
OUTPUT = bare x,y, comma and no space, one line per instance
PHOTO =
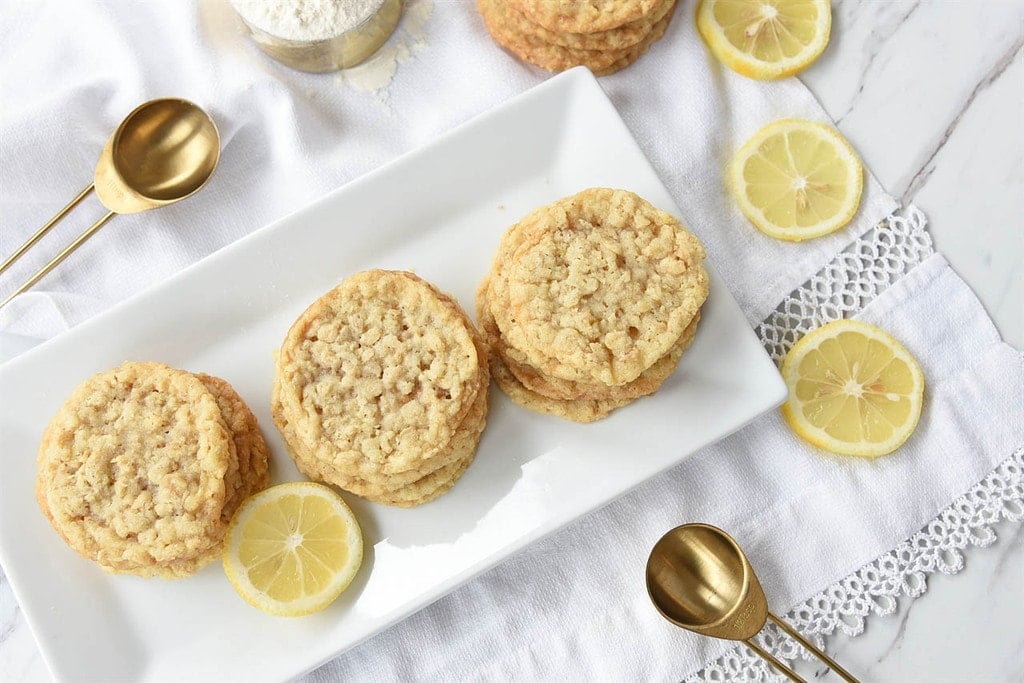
375,74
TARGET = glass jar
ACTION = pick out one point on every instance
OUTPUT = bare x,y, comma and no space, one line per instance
346,49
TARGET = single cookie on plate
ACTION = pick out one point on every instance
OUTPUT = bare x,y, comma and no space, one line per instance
590,303
601,285
132,470
380,388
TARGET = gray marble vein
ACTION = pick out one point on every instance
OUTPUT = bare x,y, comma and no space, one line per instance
880,33
927,168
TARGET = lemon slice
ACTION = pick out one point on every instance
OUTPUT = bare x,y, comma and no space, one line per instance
797,179
853,389
765,39
292,549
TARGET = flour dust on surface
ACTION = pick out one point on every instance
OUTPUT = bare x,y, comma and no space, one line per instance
376,73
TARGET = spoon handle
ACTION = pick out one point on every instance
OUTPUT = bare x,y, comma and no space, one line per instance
43,230
786,671
59,257
843,673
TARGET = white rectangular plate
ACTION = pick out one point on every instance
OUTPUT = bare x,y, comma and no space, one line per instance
439,211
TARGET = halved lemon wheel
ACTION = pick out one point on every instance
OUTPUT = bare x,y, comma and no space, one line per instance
796,179
765,39
853,389
291,549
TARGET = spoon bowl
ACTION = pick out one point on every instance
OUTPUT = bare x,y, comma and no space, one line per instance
699,579
163,152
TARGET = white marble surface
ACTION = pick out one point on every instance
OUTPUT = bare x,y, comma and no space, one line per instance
931,94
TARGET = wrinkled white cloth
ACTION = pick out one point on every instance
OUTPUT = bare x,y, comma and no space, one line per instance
572,606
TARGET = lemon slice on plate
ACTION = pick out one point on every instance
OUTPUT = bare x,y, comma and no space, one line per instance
797,179
290,550
765,39
853,389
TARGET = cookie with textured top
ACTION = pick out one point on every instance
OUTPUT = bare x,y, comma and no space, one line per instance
340,473
374,485
553,387
376,377
600,286
132,470
554,57
425,488
432,476
619,38
584,16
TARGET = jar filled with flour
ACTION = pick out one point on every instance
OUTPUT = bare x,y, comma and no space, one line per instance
319,35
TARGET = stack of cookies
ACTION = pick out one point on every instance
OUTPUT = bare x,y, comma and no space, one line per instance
603,35
590,303
143,466
381,389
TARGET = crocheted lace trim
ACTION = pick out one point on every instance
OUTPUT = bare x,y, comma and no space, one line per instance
856,275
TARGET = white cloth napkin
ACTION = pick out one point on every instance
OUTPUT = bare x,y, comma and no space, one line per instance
573,605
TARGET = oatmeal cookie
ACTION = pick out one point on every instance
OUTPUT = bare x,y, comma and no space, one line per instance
578,409
132,468
376,380
582,410
553,387
369,484
600,285
398,490
430,487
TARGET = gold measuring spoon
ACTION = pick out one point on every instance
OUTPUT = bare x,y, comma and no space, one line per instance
163,152
699,579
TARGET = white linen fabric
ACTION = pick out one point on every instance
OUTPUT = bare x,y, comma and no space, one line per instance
572,606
